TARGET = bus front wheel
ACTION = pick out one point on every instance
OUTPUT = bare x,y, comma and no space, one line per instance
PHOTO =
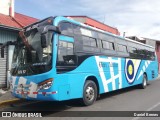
89,93
144,82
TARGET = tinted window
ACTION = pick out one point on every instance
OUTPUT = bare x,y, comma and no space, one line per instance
101,36
94,34
147,54
65,54
131,49
66,28
141,53
107,45
76,29
83,31
105,36
122,48
88,41
152,56
86,32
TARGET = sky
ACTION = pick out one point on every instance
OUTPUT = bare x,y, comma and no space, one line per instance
134,17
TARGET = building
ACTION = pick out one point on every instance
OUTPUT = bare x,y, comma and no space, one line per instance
10,25
94,23
156,44
152,42
139,39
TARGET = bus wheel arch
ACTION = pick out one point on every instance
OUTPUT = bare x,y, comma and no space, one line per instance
90,91
145,73
144,83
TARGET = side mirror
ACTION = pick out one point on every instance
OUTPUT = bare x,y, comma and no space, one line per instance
2,52
50,28
45,37
44,40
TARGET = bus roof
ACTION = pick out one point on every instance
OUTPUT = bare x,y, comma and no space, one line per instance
105,32
61,18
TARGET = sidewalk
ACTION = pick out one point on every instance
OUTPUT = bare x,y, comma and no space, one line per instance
5,95
7,98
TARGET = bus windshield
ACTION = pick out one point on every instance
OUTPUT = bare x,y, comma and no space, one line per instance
32,60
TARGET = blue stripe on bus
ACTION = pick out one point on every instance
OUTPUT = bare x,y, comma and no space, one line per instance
66,38
59,19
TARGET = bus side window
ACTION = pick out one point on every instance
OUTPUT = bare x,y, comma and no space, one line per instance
139,54
152,56
65,54
76,30
107,45
122,48
88,41
132,52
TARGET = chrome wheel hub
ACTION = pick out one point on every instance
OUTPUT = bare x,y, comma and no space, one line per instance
145,82
90,93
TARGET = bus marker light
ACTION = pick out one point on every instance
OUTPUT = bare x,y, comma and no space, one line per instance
35,92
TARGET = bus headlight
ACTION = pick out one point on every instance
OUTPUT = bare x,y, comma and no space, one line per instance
45,84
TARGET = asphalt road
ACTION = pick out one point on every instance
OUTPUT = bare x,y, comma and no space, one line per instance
130,99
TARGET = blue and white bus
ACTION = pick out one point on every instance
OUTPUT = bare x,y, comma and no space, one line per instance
60,59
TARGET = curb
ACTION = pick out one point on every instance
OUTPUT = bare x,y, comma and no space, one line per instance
3,103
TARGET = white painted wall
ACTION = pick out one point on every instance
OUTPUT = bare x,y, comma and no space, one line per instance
4,7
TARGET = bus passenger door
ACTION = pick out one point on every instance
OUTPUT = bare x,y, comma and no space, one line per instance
66,61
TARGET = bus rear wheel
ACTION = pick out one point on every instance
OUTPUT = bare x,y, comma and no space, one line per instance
89,93
144,82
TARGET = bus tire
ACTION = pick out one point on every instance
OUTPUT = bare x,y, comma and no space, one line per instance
89,93
144,82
